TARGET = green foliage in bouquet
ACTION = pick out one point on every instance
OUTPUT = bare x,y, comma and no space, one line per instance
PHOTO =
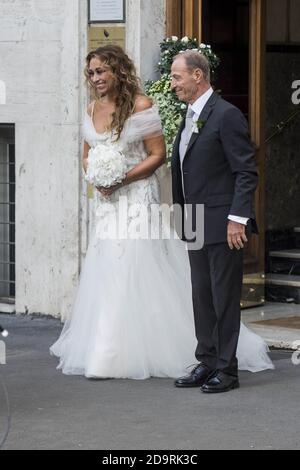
170,108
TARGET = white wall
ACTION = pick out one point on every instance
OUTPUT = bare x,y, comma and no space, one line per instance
43,44
41,67
146,25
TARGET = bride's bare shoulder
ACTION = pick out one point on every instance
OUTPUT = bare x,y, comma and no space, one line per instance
142,103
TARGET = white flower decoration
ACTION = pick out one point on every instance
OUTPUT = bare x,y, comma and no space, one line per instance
202,46
106,166
195,129
174,38
185,40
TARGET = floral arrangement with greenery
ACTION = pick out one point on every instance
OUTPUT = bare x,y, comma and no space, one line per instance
170,108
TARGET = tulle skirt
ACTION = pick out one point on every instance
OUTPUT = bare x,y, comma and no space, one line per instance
132,315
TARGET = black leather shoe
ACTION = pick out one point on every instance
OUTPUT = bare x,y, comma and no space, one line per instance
220,382
197,377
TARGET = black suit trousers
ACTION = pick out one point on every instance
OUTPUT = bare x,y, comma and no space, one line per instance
217,277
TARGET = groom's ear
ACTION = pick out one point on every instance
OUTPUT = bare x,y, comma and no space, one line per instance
198,75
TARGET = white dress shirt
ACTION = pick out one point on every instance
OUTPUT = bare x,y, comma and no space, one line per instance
197,108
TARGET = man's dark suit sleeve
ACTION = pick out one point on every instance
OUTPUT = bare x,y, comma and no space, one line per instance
239,151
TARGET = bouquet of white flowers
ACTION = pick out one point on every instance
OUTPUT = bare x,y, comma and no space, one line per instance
106,166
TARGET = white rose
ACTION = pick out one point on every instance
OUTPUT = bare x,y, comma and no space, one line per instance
202,46
185,40
174,38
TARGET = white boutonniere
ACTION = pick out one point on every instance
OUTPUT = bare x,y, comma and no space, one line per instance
198,126
195,129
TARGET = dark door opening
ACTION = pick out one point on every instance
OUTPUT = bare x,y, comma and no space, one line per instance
225,25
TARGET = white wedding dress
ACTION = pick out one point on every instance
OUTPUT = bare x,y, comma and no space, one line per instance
132,315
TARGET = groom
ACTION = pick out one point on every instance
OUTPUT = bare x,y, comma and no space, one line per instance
213,164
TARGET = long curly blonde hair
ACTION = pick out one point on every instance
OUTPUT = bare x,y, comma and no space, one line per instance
127,83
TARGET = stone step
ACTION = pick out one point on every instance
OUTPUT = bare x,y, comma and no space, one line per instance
7,307
289,254
282,280
283,288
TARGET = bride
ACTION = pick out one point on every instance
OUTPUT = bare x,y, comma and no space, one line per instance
132,315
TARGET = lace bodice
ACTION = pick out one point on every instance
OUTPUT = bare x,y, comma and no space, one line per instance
139,193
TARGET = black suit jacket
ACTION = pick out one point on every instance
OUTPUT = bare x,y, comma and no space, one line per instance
219,169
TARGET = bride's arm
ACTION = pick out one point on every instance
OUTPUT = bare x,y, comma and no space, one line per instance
86,146
86,149
155,148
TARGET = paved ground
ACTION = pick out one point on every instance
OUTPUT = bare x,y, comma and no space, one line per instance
277,337
52,411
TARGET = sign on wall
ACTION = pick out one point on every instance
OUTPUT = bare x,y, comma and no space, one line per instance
101,36
106,11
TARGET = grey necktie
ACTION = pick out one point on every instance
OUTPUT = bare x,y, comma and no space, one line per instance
186,133
186,137
189,120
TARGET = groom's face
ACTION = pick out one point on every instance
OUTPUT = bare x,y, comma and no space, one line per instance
184,82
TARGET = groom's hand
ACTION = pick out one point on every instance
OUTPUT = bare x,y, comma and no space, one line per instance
236,235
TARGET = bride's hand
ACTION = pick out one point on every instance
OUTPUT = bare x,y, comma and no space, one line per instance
107,192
